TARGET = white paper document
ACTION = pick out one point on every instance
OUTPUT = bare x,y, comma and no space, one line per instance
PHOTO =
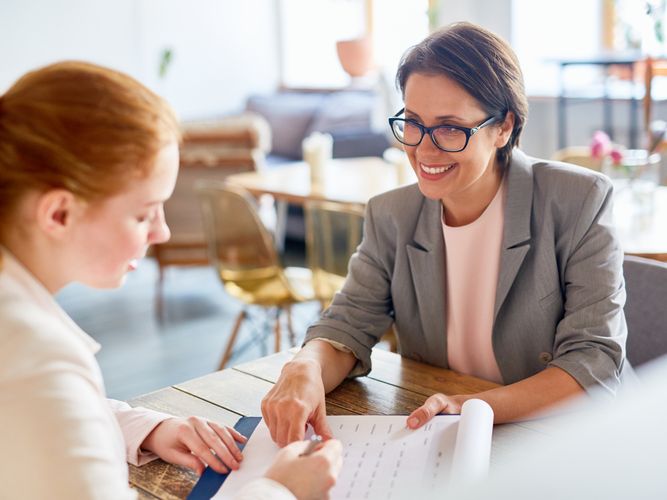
382,459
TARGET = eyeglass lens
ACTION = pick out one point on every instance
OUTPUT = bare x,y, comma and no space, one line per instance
447,138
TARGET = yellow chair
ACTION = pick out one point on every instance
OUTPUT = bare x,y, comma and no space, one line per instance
578,155
333,233
243,252
211,150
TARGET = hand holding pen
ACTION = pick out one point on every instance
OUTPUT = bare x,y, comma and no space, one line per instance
314,441
308,468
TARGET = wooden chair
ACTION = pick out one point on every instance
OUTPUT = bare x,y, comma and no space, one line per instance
243,253
210,150
653,68
656,139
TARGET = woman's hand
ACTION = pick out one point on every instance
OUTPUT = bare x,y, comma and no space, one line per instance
311,476
296,399
189,441
438,403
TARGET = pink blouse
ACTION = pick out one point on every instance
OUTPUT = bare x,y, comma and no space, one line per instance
472,255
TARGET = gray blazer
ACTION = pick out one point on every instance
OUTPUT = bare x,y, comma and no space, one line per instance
560,293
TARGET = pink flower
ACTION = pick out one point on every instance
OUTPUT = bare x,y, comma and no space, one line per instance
600,144
616,156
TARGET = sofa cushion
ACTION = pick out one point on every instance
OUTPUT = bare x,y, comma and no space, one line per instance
351,143
289,115
344,111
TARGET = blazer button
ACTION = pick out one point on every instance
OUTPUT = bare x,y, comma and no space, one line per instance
546,357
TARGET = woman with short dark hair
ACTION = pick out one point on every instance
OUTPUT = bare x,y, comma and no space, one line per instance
494,264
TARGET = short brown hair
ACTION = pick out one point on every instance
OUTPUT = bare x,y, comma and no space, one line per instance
80,127
480,62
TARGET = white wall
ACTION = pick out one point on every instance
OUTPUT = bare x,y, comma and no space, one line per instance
37,32
495,15
223,50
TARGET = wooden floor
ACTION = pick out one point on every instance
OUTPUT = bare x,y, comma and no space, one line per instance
140,354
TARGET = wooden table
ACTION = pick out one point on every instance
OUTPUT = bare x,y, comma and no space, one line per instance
395,386
349,180
359,179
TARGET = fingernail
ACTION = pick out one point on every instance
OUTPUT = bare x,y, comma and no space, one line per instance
413,422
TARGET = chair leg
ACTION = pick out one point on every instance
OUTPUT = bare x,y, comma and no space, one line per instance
276,330
290,327
232,339
389,336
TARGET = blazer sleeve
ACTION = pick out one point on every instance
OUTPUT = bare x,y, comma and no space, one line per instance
136,424
362,311
590,339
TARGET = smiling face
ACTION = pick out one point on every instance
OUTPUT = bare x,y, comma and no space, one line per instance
466,179
110,235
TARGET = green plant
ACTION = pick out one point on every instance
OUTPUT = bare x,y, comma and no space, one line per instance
166,57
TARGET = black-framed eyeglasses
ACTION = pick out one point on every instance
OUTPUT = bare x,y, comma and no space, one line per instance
450,138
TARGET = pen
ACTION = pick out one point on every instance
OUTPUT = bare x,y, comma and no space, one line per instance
315,439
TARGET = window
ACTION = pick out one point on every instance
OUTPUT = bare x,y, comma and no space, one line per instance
310,29
545,32
640,25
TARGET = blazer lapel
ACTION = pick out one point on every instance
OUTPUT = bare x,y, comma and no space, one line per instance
426,256
516,232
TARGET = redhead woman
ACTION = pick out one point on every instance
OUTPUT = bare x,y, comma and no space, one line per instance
88,156
494,264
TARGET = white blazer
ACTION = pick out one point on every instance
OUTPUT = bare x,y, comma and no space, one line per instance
60,437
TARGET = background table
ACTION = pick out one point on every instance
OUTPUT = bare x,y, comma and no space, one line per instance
359,179
349,180
395,386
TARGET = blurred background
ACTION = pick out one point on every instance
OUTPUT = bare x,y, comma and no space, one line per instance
207,56
252,79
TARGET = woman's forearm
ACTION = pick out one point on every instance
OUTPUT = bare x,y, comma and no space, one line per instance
530,396
333,363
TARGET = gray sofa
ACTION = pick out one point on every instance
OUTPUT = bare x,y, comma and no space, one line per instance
347,115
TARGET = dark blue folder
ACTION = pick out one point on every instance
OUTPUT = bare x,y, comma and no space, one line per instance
210,481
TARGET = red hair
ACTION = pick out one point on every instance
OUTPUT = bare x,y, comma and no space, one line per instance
80,127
